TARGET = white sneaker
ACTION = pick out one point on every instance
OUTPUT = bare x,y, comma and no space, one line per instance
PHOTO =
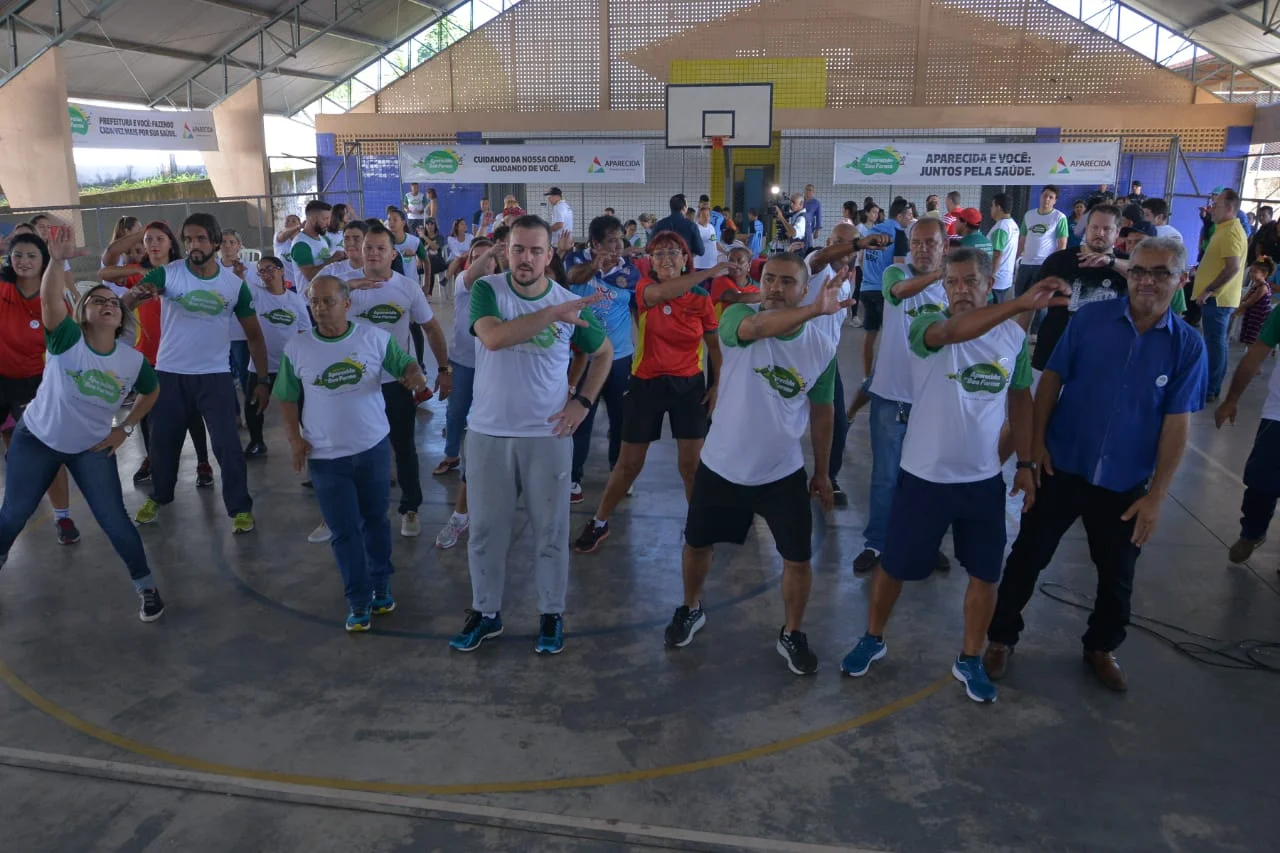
320,534
452,531
575,494
631,490
409,525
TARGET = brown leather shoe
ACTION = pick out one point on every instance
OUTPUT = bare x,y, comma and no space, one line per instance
1106,669
996,660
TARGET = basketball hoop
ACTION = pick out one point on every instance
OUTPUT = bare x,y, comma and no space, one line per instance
717,143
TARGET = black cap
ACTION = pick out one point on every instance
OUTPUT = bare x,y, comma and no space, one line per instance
1132,212
554,191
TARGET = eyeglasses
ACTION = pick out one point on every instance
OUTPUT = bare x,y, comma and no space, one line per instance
104,302
1154,274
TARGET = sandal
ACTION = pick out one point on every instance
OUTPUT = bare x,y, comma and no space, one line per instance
446,466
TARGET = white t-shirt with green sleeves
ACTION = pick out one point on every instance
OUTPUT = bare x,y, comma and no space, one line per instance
196,316
762,409
393,306
1043,231
342,379
282,316
953,435
1004,239
309,251
892,377
518,388
82,389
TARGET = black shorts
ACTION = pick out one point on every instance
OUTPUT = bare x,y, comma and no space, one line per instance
1028,274
721,511
648,400
920,515
16,395
872,310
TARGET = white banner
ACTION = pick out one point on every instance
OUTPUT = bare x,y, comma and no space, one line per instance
107,127
956,164
516,164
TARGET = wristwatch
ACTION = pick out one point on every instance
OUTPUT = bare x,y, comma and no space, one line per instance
443,369
582,401
1029,466
127,429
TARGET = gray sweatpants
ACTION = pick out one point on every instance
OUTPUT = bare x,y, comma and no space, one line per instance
538,468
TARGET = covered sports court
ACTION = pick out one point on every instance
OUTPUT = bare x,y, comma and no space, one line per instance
246,719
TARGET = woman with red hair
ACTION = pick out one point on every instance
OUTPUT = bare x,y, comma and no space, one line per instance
676,327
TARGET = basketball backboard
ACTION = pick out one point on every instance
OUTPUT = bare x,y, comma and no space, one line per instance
740,113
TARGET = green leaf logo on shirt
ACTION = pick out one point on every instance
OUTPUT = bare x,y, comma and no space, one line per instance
279,317
784,380
102,384
203,302
387,314
345,372
546,338
1039,228
982,377
878,161
927,308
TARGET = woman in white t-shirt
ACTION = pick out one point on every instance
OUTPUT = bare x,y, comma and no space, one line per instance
710,241
87,375
459,242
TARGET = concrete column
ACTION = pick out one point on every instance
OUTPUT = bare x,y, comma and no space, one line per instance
239,166
36,166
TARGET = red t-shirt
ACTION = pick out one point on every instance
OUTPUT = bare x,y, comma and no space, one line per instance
22,345
724,284
757,267
147,341
670,339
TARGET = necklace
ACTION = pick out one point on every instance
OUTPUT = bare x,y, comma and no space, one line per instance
33,320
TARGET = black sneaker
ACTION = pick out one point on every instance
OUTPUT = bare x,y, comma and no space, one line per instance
795,648
152,605
943,564
204,475
865,562
838,495
255,448
143,474
684,624
592,535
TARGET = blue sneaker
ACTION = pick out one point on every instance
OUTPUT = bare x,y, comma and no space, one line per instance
868,651
383,601
358,620
550,635
477,629
969,669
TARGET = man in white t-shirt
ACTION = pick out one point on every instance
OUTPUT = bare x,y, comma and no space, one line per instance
777,380
1156,211
198,298
968,363
1044,231
282,314
311,248
415,208
561,217
1004,246
521,421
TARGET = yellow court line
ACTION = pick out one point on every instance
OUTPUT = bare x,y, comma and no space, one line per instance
96,732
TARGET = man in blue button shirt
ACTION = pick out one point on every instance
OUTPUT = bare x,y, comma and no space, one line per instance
1129,372
602,268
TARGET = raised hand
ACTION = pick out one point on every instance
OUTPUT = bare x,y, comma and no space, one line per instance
1046,292
570,312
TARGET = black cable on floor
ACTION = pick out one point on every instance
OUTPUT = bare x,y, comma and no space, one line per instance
1241,654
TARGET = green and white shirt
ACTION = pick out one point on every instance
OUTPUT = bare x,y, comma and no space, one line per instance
1004,239
762,410
415,204
518,388
342,380
196,316
310,251
953,435
282,317
409,248
892,378
1043,231
82,389
399,302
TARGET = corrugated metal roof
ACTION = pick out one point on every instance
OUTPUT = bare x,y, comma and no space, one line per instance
1243,33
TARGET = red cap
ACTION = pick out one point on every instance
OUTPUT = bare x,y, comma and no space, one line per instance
971,215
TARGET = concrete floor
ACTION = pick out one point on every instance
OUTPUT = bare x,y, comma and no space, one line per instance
249,674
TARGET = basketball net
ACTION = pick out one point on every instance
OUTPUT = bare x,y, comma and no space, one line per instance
717,143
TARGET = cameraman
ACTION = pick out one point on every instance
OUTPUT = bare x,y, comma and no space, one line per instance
791,224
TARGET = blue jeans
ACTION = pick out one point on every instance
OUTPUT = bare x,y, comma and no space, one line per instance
615,387
888,429
29,472
1214,321
841,433
459,402
354,493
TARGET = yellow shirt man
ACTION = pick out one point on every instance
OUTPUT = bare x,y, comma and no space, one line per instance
1228,241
